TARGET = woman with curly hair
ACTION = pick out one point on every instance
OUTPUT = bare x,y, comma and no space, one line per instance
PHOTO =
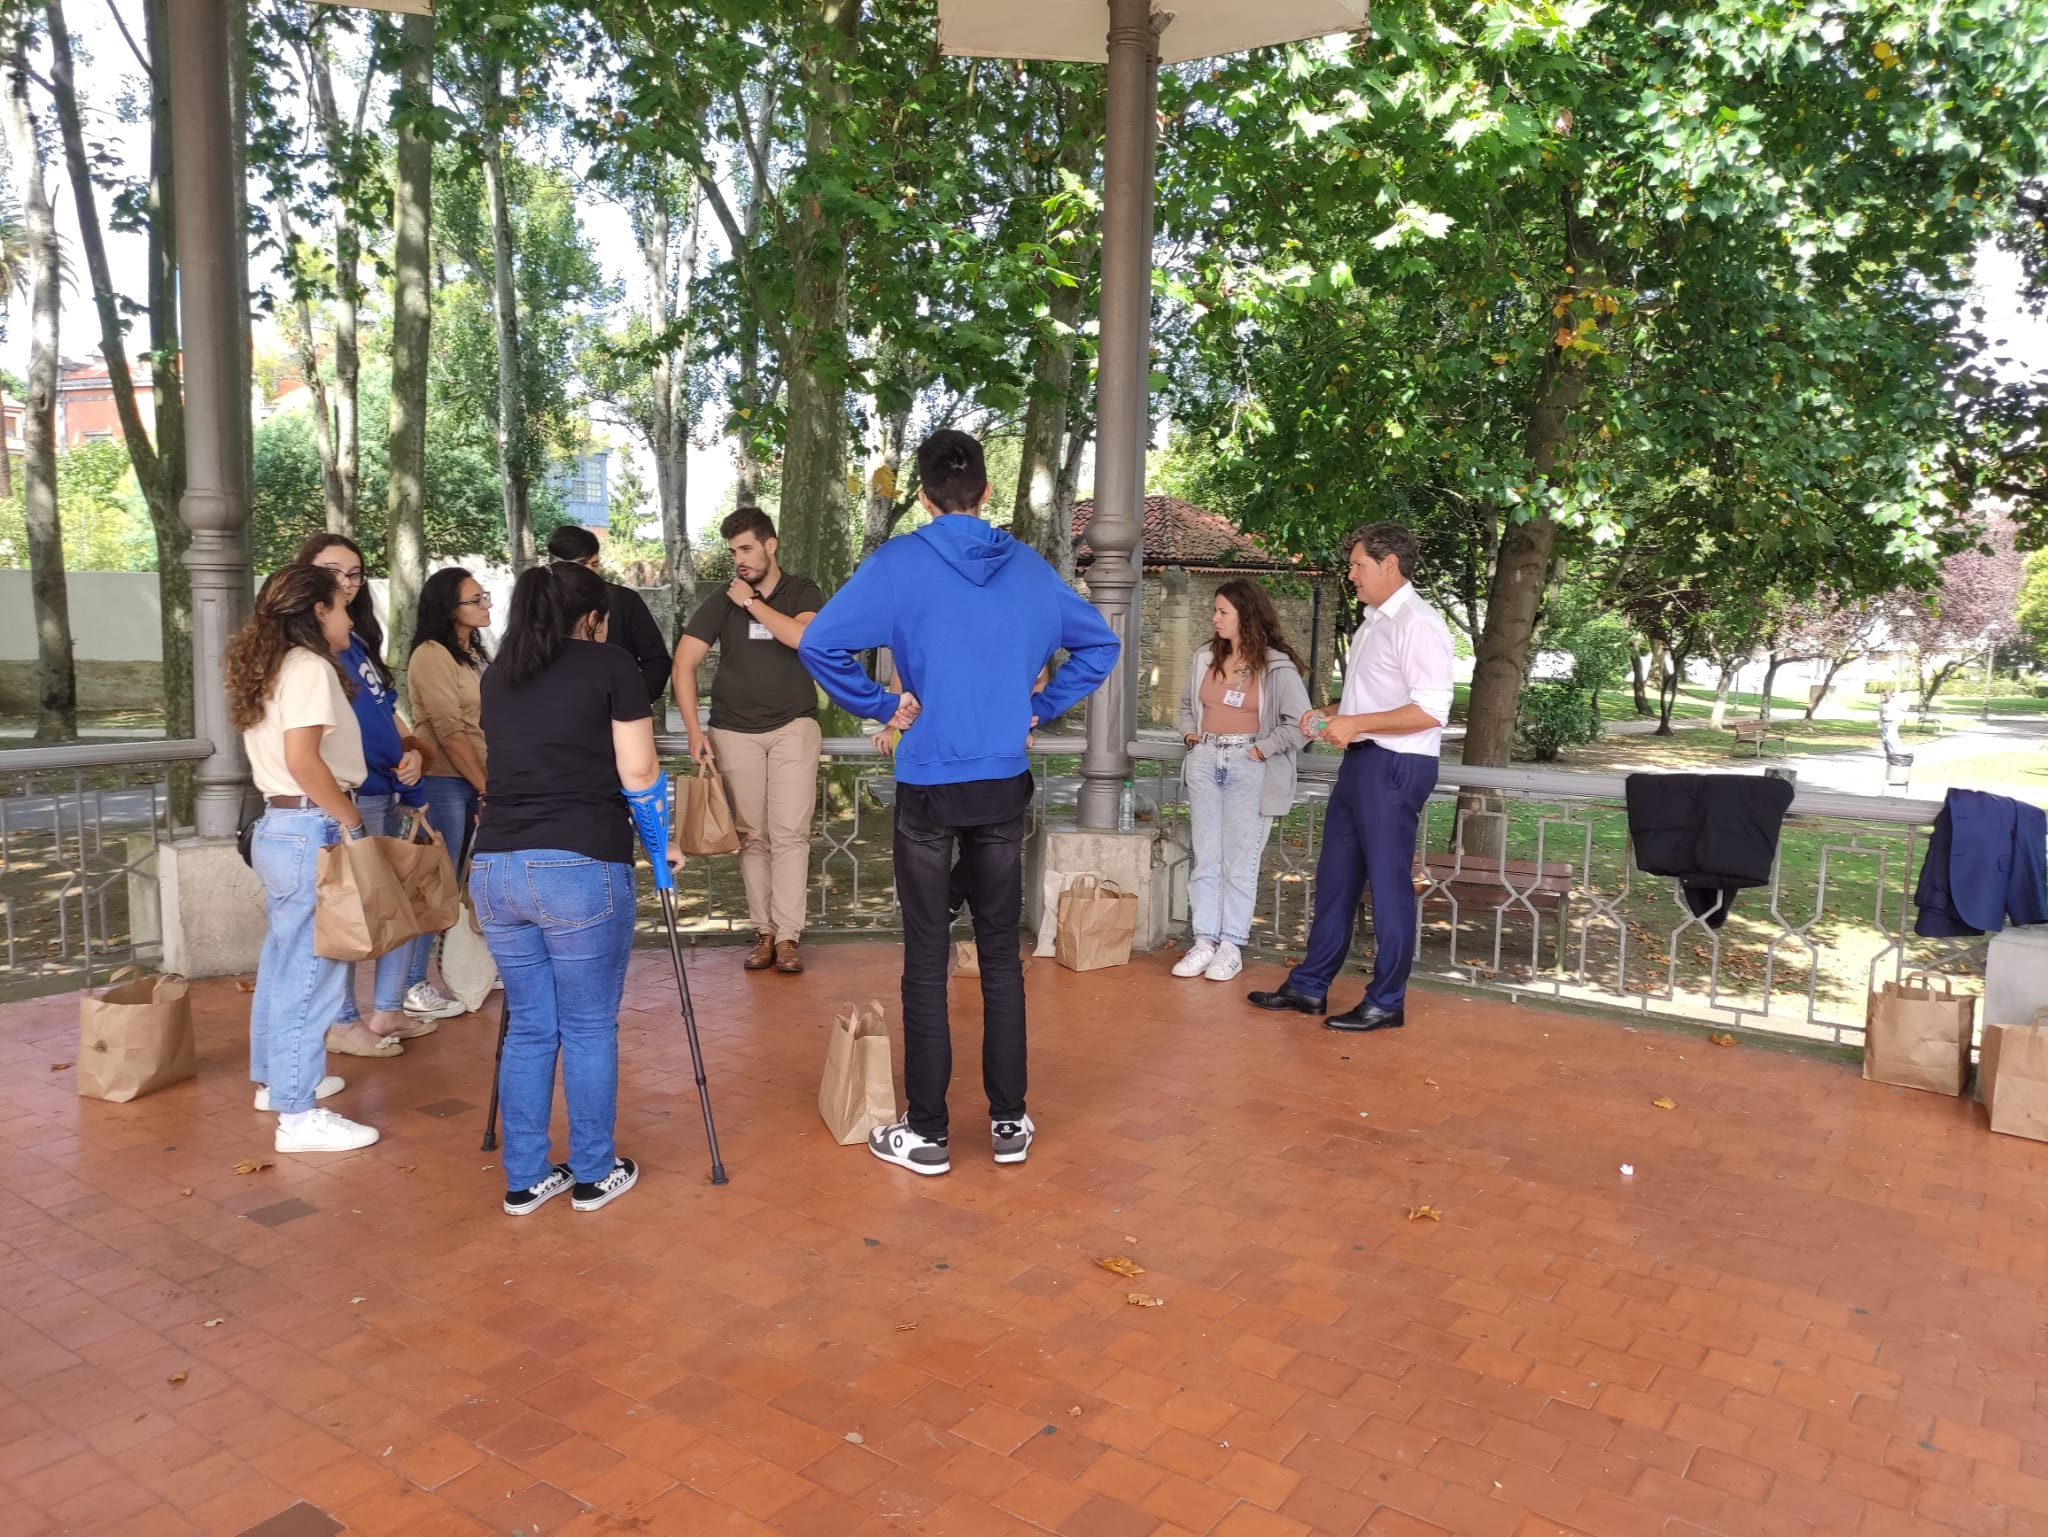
406,1004
1239,716
446,674
288,697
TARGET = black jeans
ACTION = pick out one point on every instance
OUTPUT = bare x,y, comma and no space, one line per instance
991,873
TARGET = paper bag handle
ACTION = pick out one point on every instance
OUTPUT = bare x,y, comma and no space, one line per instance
1947,990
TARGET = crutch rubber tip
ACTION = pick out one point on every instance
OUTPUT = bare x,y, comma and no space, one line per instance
718,1175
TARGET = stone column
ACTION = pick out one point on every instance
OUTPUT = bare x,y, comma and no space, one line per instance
216,341
1125,369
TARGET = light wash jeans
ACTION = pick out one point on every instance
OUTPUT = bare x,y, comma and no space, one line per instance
1230,835
560,927
396,970
297,993
451,812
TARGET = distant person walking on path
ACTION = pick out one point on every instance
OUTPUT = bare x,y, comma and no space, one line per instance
631,625
1397,697
1891,716
1240,718
764,736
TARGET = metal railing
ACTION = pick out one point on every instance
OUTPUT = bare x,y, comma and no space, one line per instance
80,826
1529,888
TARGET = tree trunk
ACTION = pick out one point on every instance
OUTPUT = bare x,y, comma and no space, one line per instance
347,434
1660,662
1722,685
1667,693
813,525
1640,680
883,504
1036,513
56,677
307,347
1067,493
1928,690
670,388
412,216
1773,660
512,431
6,458
1827,682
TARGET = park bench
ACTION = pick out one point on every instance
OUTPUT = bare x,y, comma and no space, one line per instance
1479,884
1756,733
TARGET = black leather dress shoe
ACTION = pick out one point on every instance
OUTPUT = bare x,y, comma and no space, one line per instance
1365,1017
1287,997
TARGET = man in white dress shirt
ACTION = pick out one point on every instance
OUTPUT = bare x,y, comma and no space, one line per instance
1397,696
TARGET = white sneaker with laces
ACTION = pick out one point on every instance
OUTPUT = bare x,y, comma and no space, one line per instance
322,1131
1011,1140
896,1143
1197,960
423,1000
1227,964
327,1088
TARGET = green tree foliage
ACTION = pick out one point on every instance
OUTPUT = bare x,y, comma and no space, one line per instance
106,521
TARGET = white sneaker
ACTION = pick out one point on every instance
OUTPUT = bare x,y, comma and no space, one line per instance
896,1143
423,1000
1011,1140
1227,964
1197,960
327,1088
322,1131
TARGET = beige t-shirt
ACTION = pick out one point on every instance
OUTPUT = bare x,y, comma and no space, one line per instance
306,692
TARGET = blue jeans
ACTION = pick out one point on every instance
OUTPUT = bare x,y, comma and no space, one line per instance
1230,832
1369,839
396,970
451,812
297,993
560,927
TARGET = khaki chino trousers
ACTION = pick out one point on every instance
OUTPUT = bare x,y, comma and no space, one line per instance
771,778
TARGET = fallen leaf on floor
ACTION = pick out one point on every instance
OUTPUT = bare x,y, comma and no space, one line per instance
1431,1083
1129,1239
1722,1040
1424,1214
366,1299
1075,1412
58,1067
244,985
1663,1102
252,1165
856,1438
1121,1265
177,1379
186,1191
905,1328
408,1168
213,1323
1140,1300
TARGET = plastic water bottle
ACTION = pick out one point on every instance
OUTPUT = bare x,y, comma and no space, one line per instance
1127,810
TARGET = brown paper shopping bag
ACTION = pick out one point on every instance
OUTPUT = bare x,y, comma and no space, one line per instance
704,824
858,1091
2013,1070
428,876
1098,923
966,958
360,906
134,1037
1918,1038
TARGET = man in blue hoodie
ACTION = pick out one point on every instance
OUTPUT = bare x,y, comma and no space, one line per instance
971,616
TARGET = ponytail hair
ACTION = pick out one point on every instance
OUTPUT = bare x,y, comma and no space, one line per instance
548,603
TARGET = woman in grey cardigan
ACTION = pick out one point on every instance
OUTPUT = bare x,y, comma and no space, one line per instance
1240,718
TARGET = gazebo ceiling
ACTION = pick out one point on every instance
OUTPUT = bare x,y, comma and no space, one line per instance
1077,30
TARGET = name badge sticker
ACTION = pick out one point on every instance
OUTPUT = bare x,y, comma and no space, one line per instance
758,631
1233,699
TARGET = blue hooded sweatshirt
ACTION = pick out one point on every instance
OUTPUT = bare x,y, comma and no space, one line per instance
971,616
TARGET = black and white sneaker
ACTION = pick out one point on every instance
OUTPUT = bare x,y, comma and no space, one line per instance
591,1195
896,1143
1011,1139
519,1202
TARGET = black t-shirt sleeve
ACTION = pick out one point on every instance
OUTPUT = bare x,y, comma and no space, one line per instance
636,632
708,620
625,693
805,597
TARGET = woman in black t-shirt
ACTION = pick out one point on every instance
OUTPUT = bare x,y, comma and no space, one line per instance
566,722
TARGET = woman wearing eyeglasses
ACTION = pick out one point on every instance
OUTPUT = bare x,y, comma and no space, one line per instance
446,671
406,1004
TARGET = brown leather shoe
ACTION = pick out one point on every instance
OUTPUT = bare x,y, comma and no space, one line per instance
763,954
787,961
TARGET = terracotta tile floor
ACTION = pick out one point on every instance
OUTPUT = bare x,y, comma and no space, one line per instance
1817,1306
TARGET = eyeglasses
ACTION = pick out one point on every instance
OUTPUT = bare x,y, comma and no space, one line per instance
478,602
354,576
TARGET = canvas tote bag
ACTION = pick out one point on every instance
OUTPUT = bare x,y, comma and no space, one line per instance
1098,924
1918,1038
858,1091
2014,1075
134,1036
704,824
360,906
468,968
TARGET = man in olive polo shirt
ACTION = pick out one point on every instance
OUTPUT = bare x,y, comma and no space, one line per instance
764,734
